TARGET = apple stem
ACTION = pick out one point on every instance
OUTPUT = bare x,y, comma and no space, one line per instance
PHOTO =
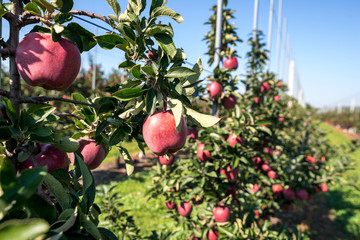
164,105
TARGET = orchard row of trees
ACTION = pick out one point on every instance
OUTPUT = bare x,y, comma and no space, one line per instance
257,154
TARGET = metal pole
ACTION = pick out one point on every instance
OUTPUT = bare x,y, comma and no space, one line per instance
218,33
278,40
291,78
271,13
94,66
283,53
352,106
255,22
288,56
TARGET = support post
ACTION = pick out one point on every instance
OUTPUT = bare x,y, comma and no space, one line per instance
255,22
218,32
271,13
291,78
278,39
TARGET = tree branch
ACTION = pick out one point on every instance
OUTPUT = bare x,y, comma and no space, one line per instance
7,50
88,14
66,115
4,93
43,99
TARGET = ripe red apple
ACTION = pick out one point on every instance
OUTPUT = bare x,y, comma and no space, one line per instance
48,156
310,159
276,98
256,100
93,154
277,190
167,160
281,119
192,133
229,102
214,89
279,83
160,134
231,174
257,160
185,209
213,234
152,55
170,205
221,213
231,63
257,214
192,237
255,188
233,140
302,194
324,187
203,155
51,65
271,174
264,87
323,159
289,194
266,167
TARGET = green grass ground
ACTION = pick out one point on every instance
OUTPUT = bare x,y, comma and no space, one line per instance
149,215
343,198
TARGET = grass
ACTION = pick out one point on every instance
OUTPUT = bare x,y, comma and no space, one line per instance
344,198
113,154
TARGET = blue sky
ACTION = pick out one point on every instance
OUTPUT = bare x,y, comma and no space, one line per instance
324,35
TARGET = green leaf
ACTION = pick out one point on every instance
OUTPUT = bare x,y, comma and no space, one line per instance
177,109
10,110
150,101
5,133
107,234
136,71
80,36
166,43
148,70
23,229
38,113
133,111
42,131
179,72
264,129
192,80
42,208
157,3
7,175
201,119
78,97
67,5
127,64
127,32
159,28
88,181
110,41
57,3
44,5
33,8
66,144
129,164
63,17
136,6
115,6
86,222
69,217
128,94
5,8
166,12
56,188
28,183
119,135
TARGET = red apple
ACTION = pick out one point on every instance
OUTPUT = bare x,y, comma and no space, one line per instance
160,134
231,174
289,194
281,119
271,174
279,83
93,154
255,188
214,89
264,87
231,63
276,98
229,102
324,187
203,155
185,209
167,160
266,167
213,234
277,190
192,237
192,133
170,205
256,100
257,214
233,140
221,213
311,159
48,156
302,194
51,65
257,160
